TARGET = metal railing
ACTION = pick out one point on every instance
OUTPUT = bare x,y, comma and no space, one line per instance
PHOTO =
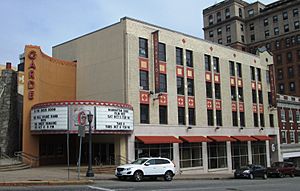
22,155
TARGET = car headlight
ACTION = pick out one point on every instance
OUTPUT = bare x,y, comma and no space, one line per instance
127,169
246,171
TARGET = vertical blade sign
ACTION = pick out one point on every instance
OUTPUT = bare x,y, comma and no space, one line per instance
156,60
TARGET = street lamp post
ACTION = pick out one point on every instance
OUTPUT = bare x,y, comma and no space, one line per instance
90,172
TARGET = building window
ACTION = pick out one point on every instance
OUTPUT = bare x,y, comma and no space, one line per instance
179,56
243,38
143,47
281,88
296,25
252,69
285,15
241,94
255,119
210,117
239,152
163,115
252,38
153,150
295,12
231,68
289,57
283,137
217,91
190,155
227,28
292,86
286,28
144,113
280,74
162,82
282,115
251,26
181,115
254,97
162,52
216,64
271,118
262,119
298,117
287,42
292,136
239,69
180,86
242,119
268,46
290,72
219,17
192,120
259,155
275,19
227,13
217,155
219,31
276,31
298,53
219,117
208,90
234,119
211,33
258,73
240,13
242,27
279,59
291,120
144,80
250,12
207,63
190,83
210,20
266,22
293,40
267,33
228,39
277,44
233,93
220,41
189,58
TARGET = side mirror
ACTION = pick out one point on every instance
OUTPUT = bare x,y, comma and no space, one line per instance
147,164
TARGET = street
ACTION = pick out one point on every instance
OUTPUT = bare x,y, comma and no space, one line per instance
274,184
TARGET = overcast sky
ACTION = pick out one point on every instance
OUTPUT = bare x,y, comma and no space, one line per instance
49,22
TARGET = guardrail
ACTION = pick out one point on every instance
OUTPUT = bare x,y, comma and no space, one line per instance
22,155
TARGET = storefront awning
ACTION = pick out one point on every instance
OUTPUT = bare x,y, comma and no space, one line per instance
194,139
244,138
262,137
221,138
158,139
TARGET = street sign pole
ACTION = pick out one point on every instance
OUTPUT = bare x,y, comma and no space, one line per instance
81,133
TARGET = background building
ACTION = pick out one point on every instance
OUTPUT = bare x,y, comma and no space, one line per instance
203,105
247,27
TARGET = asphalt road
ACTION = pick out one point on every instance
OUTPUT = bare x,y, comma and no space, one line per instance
274,184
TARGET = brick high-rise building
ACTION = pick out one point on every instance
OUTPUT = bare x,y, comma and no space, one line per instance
247,26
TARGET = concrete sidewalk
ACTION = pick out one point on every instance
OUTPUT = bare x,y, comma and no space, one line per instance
59,176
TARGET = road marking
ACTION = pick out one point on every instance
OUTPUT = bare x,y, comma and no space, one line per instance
99,188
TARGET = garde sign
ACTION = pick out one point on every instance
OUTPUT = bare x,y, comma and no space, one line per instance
114,118
49,118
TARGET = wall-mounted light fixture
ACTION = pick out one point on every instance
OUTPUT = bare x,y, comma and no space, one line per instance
217,128
241,128
261,129
189,128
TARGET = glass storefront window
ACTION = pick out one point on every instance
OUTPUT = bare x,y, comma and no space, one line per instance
217,155
154,150
190,155
239,154
259,153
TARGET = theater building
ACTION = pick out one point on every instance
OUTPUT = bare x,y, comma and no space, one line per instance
203,105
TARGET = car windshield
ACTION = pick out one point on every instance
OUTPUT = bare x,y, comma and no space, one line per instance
139,161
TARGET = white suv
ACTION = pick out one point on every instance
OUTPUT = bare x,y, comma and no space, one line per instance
147,167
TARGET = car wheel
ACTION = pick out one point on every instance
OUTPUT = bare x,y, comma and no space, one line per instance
281,175
265,176
138,176
292,175
168,176
251,176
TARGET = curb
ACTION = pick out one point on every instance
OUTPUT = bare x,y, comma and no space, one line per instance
48,182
